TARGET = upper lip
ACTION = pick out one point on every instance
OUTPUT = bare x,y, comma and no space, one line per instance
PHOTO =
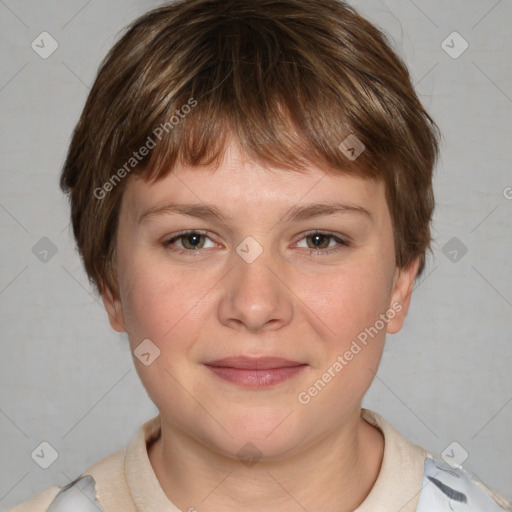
254,363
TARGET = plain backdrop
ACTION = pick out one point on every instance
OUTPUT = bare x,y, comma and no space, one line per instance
66,378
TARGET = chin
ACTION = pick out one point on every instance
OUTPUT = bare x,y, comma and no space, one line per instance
264,433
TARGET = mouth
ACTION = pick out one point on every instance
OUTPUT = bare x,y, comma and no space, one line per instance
255,372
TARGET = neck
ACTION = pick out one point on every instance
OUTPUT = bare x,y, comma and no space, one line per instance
334,475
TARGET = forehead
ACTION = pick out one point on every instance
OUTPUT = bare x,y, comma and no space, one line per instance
240,185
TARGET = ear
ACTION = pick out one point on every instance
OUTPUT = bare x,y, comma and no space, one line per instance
401,295
114,308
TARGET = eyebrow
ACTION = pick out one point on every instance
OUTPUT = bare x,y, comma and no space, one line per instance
295,214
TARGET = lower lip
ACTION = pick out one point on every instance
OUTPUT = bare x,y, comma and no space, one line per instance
256,379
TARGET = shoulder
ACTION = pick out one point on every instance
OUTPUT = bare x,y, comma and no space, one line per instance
424,483
103,486
40,502
450,488
77,495
83,492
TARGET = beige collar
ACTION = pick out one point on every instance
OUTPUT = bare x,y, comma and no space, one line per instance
397,487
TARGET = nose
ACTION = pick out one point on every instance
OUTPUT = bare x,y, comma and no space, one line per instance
256,295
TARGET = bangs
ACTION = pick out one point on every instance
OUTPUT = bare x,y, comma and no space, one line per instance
250,78
274,134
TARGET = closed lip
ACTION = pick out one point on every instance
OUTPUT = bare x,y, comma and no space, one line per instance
254,363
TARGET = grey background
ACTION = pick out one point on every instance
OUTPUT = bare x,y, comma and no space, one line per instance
68,379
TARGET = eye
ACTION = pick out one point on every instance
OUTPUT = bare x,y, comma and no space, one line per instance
190,241
321,243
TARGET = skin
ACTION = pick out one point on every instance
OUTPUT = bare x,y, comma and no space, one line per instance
287,303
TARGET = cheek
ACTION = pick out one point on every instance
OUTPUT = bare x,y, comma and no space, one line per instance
350,303
165,307
162,304
349,300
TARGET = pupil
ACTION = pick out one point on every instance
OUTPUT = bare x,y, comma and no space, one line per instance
192,237
318,239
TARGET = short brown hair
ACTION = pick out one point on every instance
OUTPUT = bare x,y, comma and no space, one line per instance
290,79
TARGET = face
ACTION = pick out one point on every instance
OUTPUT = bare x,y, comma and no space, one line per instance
264,313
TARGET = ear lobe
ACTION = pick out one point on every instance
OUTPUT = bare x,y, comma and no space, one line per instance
114,309
401,295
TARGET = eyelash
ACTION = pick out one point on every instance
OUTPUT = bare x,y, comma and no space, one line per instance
312,252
